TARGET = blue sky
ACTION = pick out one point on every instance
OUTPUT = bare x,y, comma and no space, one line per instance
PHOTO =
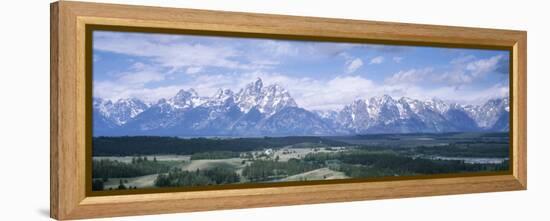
319,75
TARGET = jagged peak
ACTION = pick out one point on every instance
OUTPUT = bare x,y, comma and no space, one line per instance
98,101
275,87
381,99
438,104
161,101
499,100
258,81
359,101
187,93
130,100
256,85
406,99
385,96
220,93
184,95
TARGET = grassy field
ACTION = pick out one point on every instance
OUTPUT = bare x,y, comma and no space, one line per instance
318,174
232,163
147,181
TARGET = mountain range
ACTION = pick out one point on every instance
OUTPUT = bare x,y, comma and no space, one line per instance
258,110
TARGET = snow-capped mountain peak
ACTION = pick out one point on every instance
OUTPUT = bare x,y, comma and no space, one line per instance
384,114
120,111
186,99
258,110
220,98
253,88
488,114
267,100
437,105
222,94
377,105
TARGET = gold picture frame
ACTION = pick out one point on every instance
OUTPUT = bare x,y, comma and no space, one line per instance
71,25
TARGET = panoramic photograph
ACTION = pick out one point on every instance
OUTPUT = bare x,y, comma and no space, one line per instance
173,110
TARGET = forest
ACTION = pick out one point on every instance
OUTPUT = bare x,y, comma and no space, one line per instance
138,167
151,145
264,170
198,177
362,163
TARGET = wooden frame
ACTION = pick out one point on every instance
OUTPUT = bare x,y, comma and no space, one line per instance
69,198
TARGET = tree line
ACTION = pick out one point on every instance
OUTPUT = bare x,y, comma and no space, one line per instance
139,166
487,149
214,155
263,170
214,176
153,145
365,164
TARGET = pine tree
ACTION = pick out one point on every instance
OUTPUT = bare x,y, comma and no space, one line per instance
121,185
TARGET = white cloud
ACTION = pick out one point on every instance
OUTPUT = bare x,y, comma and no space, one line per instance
194,59
113,91
193,70
141,77
456,78
397,59
127,83
309,93
462,59
171,51
316,94
327,49
140,74
465,70
377,60
278,48
427,76
353,65
409,76
483,66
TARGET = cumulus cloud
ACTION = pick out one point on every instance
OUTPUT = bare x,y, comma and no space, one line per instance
140,74
467,69
172,51
483,66
169,63
464,70
309,93
503,66
353,65
377,60
131,83
456,78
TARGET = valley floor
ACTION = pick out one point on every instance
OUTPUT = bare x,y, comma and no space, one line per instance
353,157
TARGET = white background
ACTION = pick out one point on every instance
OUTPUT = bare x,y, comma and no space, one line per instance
24,116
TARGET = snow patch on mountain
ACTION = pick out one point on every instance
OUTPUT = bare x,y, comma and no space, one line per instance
268,100
258,110
120,111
